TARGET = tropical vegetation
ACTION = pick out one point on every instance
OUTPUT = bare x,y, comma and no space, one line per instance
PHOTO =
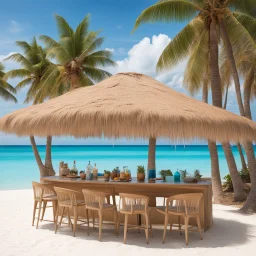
73,61
214,26
6,90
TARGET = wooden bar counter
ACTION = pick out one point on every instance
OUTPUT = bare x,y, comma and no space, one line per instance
152,190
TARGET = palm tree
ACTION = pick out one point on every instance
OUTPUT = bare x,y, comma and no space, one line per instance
78,62
196,78
6,90
34,64
207,15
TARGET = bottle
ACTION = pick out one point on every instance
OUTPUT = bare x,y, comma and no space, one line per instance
74,170
177,176
89,169
95,172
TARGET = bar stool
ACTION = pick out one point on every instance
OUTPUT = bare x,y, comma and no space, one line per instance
43,194
98,201
184,205
131,204
68,200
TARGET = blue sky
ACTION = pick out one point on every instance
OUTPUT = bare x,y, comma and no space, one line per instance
21,20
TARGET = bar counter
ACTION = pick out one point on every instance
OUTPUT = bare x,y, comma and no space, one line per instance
152,190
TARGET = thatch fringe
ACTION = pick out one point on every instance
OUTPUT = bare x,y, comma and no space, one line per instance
129,105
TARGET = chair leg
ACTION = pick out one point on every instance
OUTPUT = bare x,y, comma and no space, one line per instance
93,219
146,228
54,204
69,219
39,212
138,222
100,224
125,227
170,223
165,226
150,224
34,212
179,224
88,224
56,219
186,218
62,214
199,226
75,220
115,220
44,207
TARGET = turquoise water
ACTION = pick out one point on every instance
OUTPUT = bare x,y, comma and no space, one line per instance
18,166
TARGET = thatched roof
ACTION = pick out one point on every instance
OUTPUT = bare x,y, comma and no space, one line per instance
129,105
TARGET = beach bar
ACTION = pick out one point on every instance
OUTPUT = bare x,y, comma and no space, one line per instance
132,105
152,190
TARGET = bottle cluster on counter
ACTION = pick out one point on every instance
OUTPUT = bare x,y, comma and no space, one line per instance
91,172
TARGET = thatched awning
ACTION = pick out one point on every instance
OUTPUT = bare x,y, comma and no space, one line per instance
129,105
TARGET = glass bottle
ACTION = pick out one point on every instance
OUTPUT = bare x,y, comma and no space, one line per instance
95,172
74,170
89,169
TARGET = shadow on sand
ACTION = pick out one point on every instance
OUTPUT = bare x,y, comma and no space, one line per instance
223,233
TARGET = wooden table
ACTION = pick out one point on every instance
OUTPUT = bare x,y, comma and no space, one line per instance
152,190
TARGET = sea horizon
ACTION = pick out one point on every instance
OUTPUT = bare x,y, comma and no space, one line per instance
19,167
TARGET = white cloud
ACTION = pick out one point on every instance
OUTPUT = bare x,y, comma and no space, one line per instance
110,49
143,57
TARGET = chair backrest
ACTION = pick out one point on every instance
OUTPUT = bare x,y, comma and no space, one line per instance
94,199
38,190
184,203
66,197
42,190
131,203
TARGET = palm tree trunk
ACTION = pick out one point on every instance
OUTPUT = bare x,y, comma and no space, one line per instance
48,156
232,64
152,154
217,101
247,94
215,168
250,204
214,67
238,144
215,171
226,99
240,150
239,193
43,170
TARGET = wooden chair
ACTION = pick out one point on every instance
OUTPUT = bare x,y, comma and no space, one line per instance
43,194
110,193
68,200
135,204
186,206
98,201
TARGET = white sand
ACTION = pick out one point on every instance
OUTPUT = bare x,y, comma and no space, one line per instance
232,234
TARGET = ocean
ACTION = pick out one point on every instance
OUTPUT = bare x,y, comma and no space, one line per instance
18,166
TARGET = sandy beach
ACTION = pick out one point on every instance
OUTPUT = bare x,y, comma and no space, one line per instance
232,234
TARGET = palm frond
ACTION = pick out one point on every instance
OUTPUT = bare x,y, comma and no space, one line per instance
197,66
64,29
96,74
168,10
248,22
179,47
17,73
23,83
23,61
245,6
6,95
